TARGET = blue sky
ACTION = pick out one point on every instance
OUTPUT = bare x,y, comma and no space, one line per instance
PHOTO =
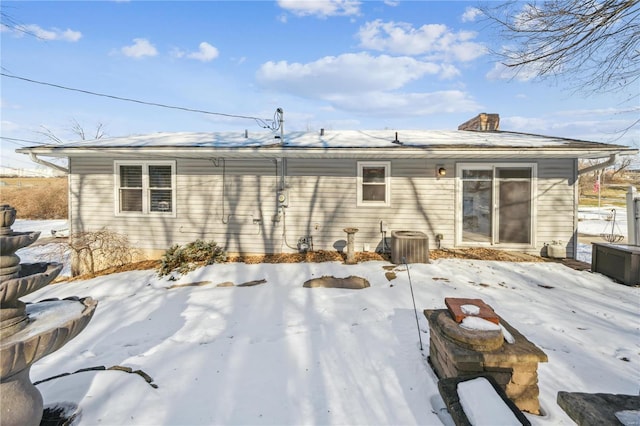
334,64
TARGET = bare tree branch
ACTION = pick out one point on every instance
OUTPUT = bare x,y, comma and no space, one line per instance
46,132
596,43
76,128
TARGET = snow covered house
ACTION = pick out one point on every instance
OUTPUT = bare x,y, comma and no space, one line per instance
270,193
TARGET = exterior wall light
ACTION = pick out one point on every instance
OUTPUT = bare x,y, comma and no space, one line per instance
441,171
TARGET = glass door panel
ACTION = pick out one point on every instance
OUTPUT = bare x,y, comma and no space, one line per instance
477,205
514,205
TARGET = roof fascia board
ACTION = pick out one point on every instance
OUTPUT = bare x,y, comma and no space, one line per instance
280,152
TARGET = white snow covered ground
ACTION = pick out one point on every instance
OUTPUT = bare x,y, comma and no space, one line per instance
281,354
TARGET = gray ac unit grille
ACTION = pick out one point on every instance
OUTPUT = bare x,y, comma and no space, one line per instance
409,247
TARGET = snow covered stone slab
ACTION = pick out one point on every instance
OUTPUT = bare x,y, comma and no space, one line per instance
352,282
595,409
479,400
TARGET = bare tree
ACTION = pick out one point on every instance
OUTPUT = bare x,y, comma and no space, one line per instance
76,129
596,43
621,166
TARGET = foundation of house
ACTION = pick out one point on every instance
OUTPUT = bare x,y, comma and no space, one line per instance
455,352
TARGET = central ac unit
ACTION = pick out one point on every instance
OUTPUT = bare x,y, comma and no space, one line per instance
409,247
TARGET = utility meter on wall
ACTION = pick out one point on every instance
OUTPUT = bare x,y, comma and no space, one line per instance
283,199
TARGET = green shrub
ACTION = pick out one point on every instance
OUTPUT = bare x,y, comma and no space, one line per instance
191,256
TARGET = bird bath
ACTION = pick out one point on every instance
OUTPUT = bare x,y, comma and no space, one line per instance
29,331
351,255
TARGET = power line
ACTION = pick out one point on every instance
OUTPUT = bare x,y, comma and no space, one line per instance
21,142
261,122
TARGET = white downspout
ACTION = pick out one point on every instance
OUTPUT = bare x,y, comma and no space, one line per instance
610,162
46,163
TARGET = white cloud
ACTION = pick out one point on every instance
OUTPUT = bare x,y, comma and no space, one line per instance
321,8
9,126
470,14
449,71
503,72
177,53
364,83
527,19
434,40
140,47
239,60
601,125
467,51
348,73
407,104
54,34
7,105
206,53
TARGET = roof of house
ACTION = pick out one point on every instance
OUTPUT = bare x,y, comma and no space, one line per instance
341,144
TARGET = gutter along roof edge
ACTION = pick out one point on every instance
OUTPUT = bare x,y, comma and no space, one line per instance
462,151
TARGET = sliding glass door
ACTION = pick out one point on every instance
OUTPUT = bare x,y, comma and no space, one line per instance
496,204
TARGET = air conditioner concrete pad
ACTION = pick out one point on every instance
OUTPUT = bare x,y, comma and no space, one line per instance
352,282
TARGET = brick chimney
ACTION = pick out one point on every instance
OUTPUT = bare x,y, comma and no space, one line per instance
483,122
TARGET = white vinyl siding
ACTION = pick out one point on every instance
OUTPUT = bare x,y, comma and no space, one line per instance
321,203
145,187
557,203
233,202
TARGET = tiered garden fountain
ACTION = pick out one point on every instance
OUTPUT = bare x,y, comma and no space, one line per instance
29,331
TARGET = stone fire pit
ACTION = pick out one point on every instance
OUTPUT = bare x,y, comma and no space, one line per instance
455,351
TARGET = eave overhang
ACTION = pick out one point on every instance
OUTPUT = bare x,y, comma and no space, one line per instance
427,152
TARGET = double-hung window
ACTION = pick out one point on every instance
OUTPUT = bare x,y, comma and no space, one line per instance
145,187
374,183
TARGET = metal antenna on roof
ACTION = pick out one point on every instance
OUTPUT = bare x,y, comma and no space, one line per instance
280,113
404,260
396,141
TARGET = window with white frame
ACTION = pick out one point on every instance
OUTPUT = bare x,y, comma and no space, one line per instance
145,187
374,183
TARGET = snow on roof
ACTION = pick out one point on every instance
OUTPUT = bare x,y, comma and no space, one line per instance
338,139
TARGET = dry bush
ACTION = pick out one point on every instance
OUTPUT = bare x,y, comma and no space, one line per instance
94,251
36,198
